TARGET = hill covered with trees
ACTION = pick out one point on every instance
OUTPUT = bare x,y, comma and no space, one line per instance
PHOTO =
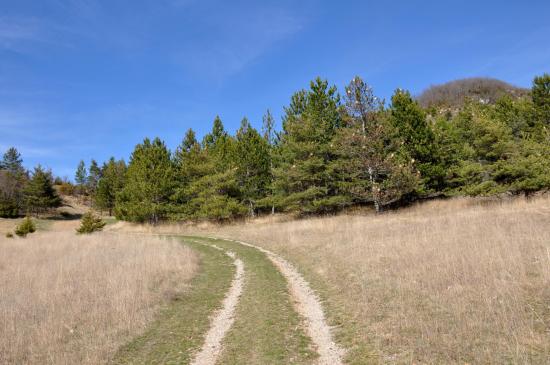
455,94
333,151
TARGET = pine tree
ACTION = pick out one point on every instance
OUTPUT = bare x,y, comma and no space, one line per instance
90,223
184,158
13,177
39,193
188,143
268,128
217,133
253,165
541,98
12,162
409,121
214,196
373,165
270,136
149,184
110,184
93,178
25,227
189,166
208,186
303,180
526,169
81,177
479,141
9,207
220,146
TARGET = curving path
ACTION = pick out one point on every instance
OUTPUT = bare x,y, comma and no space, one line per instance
266,314
223,319
308,306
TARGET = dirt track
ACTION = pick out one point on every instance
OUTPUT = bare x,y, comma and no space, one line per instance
308,306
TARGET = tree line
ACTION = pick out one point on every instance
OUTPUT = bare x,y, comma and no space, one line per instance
334,151
22,191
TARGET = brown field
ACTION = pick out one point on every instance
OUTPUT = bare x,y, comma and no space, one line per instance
68,299
444,282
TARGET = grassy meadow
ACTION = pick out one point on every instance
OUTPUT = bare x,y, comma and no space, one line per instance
449,281
68,299
459,281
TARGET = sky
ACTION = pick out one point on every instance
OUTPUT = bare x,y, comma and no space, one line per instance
83,79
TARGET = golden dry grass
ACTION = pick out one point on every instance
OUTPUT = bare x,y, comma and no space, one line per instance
67,299
443,282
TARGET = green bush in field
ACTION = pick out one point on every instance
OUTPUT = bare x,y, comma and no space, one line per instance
90,223
27,226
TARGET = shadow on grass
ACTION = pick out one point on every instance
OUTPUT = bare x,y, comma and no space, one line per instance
64,216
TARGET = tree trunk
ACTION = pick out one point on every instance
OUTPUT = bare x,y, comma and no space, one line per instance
251,209
374,191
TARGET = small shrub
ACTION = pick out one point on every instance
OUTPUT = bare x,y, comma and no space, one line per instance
66,189
65,214
9,235
90,223
27,226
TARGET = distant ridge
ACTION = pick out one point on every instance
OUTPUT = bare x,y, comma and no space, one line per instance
454,94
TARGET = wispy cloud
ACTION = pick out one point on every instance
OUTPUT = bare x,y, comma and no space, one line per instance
525,50
234,41
33,152
28,35
15,32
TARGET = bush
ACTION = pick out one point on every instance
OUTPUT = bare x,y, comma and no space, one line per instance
90,223
9,235
66,189
27,226
8,208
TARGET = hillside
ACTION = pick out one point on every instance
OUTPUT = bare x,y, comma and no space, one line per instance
454,94
445,282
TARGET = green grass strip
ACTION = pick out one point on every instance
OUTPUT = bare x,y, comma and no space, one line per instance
267,329
181,325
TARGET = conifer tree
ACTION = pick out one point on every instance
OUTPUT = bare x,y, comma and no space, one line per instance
25,227
189,165
373,165
270,135
253,165
110,184
90,223
12,162
39,193
268,128
149,184
93,177
409,121
189,141
217,133
81,177
214,196
303,180
10,195
13,177
184,157
541,98
220,146
210,188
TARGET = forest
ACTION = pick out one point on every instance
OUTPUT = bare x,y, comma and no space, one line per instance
334,150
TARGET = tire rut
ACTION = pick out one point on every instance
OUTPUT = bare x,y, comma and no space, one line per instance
223,319
307,305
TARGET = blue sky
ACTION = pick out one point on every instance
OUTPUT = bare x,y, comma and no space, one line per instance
82,79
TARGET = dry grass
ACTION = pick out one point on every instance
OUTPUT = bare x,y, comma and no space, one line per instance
67,299
444,282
